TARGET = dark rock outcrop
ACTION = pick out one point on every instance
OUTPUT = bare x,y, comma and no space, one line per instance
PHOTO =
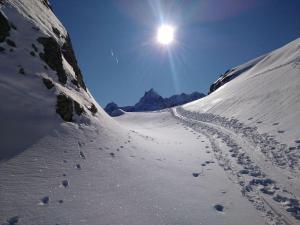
78,108
93,109
68,53
4,27
47,4
151,101
64,107
233,73
53,58
48,83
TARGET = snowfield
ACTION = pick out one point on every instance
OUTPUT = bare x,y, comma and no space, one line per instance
231,157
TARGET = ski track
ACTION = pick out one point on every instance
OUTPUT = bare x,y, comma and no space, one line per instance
240,150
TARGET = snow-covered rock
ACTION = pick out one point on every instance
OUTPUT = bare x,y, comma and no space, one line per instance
152,101
41,83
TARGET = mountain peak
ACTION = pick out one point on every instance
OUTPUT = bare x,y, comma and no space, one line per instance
152,101
151,93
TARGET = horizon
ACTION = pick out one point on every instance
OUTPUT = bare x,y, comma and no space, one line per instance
114,44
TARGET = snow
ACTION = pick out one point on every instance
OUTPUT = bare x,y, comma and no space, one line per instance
174,166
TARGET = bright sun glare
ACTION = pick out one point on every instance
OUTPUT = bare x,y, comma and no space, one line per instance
165,34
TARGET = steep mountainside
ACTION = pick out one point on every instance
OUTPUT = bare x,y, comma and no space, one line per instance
152,101
41,82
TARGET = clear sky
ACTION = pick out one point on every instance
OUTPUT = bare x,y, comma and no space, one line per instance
115,41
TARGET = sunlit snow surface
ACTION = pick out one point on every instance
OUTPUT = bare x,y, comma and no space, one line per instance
178,166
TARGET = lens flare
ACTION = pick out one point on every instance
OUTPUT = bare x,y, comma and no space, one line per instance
165,34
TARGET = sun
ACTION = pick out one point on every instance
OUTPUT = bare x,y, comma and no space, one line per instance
165,34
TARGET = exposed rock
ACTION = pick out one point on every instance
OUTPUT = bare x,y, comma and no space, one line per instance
68,52
11,43
53,57
64,107
93,109
4,27
48,83
56,32
47,4
78,108
75,82
152,101
233,73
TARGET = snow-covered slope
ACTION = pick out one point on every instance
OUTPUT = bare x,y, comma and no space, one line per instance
256,118
266,96
41,83
64,161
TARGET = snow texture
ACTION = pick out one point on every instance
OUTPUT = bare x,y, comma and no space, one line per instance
231,157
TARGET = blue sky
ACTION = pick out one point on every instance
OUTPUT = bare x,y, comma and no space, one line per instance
115,44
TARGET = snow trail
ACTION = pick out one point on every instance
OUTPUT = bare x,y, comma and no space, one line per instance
238,151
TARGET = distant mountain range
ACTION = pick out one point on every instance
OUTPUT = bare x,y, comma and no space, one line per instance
152,101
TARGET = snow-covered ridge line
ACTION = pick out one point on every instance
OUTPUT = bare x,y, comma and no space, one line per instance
152,101
271,61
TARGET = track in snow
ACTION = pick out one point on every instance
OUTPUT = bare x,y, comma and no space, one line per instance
237,149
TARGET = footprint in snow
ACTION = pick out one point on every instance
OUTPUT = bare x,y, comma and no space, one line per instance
112,154
259,122
275,124
78,166
297,141
281,131
13,220
45,200
65,183
219,208
61,201
81,155
250,118
196,174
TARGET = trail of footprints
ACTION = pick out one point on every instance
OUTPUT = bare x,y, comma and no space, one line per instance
241,169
